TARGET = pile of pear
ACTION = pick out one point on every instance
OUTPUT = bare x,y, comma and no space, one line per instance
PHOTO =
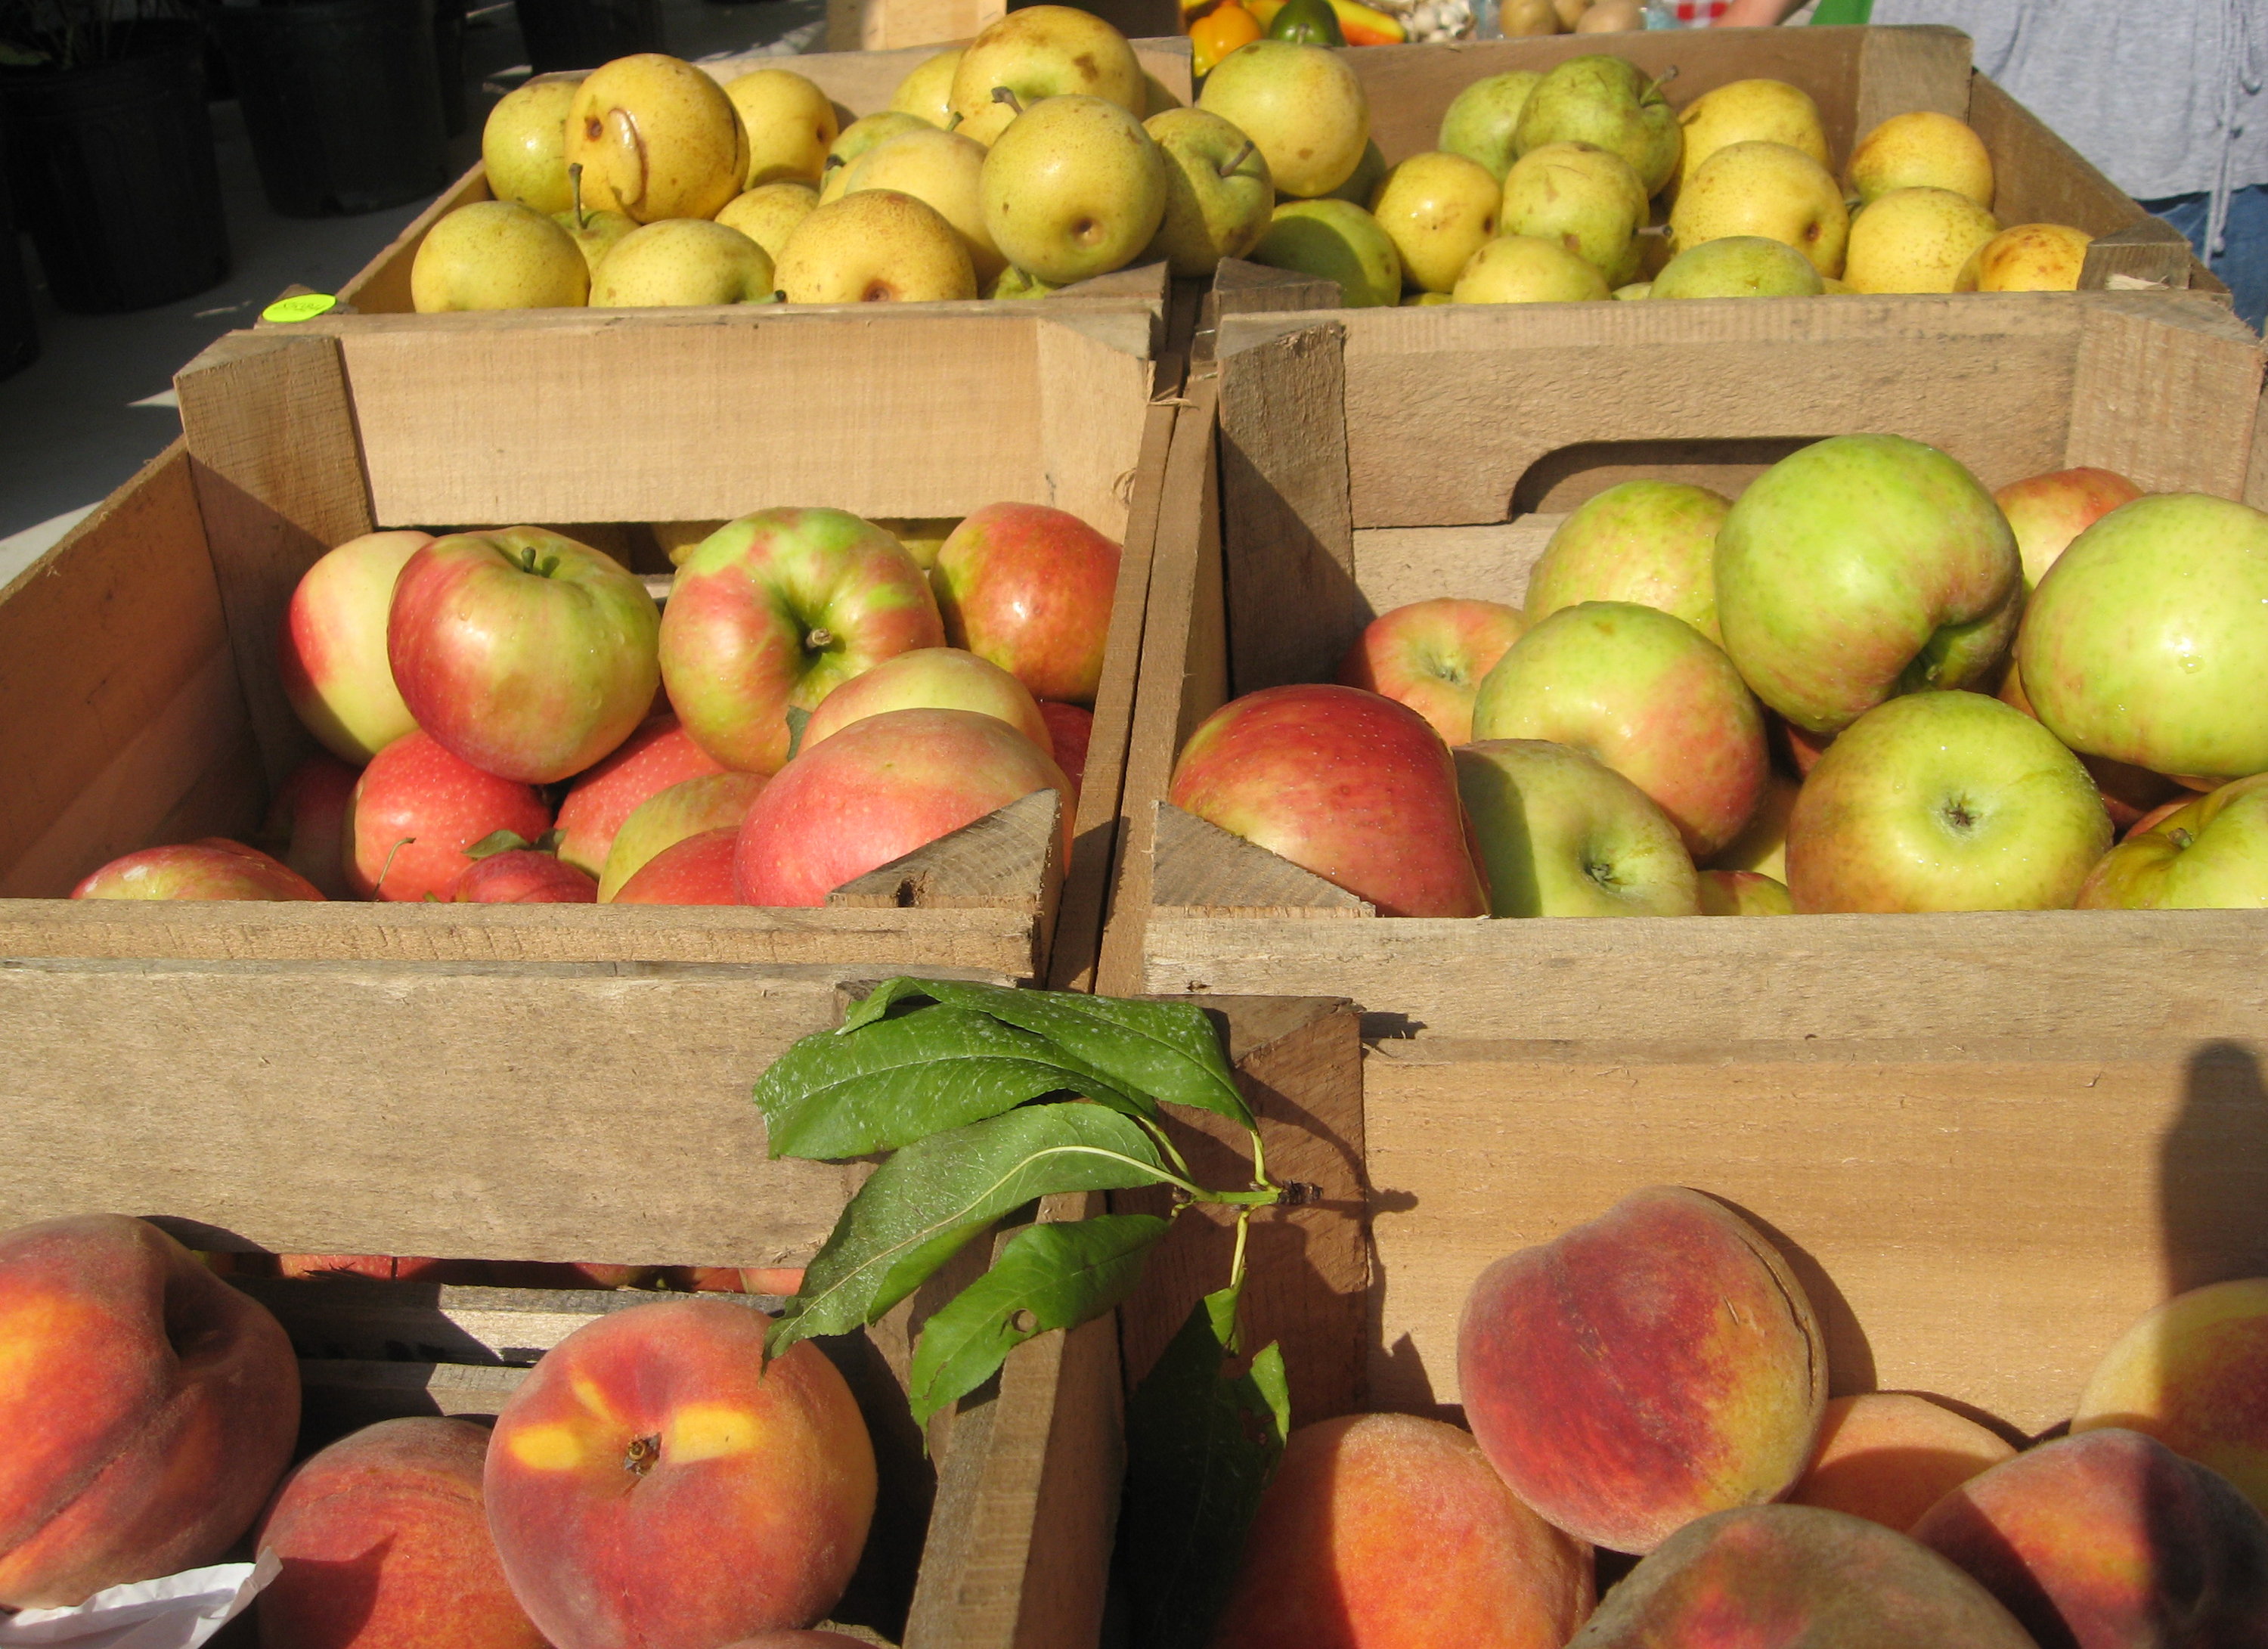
1040,155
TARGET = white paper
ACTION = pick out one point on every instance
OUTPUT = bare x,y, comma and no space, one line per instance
179,1611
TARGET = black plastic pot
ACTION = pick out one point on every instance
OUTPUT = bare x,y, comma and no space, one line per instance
342,99
584,33
115,162
19,331
449,63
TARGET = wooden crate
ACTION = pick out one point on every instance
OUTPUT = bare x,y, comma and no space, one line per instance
2001,1084
889,25
860,81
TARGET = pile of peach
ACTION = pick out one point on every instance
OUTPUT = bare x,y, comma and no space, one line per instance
1654,1383
656,1479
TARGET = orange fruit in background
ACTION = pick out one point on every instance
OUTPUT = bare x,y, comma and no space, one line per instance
1219,32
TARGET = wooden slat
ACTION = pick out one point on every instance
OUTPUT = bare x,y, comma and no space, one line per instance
1904,69
1397,565
382,285
1239,288
2165,394
1201,870
2151,252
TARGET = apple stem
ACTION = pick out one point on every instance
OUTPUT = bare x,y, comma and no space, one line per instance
384,869
1239,157
1003,94
574,182
818,639
638,1458
1665,77
2180,838
1651,229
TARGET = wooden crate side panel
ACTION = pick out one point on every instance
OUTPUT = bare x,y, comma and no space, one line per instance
382,285
2166,394
1981,1227
883,24
118,698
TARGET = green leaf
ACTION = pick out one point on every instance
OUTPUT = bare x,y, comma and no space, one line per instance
1165,1049
1045,1277
496,842
902,1078
797,719
1200,1447
919,1207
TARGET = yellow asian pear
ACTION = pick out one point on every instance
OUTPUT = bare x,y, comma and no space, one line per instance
656,138
927,92
789,123
770,213
2027,258
1749,111
524,144
944,170
496,255
1915,240
1438,209
875,246
1759,188
1920,149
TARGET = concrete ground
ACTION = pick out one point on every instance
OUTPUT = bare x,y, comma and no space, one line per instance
97,403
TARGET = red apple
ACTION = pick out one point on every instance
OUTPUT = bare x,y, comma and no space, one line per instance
1071,729
774,612
306,825
2129,791
877,790
1352,786
697,870
528,654
930,678
2047,511
1433,656
714,801
416,811
1030,588
331,649
213,868
149,1407
659,1481
522,876
658,755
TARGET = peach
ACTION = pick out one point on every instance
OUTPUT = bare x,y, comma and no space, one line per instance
658,1482
2107,1540
1382,1531
385,1545
2194,1375
1796,1577
713,801
1649,1367
149,1409
658,755
1889,1457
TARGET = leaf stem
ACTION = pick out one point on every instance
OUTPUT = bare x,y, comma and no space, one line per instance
1236,1260
1158,1133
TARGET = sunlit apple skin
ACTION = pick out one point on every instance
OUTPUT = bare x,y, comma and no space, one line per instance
522,876
1944,801
306,825
417,808
697,870
1029,588
2129,791
2147,640
1346,783
1071,729
2047,511
528,654
1433,656
877,790
1861,567
1743,894
2209,854
214,868
658,755
713,801
776,610
930,678
330,650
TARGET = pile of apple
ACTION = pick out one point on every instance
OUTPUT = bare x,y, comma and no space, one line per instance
512,719
1583,183
1654,1383
656,1479
1867,686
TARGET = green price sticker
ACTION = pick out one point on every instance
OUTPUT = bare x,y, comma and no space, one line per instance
305,306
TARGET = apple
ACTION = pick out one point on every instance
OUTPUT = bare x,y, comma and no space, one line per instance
1583,197
212,868
1652,542
1744,894
680,263
1861,567
1433,656
1481,118
1301,104
522,876
1944,801
1030,588
1526,269
497,255
150,1408
2209,853
524,143
1775,190
2047,511
656,138
1348,785
928,90
790,122
1609,103
768,213
875,246
1440,209
714,801
1071,729
658,755
1073,188
800,1641
414,811
1650,696
1218,195
1915,240
2129,791
1363,182
697,870
1337,242
1562,834
1749,111
657,1479
857,137
1039,52
330,650
1738,265
527,654
774,612
930,678
877,790
1921,148
1763,846
945,171
2027,258
306,825
2147,640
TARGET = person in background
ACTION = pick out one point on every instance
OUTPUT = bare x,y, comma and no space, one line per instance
2165,99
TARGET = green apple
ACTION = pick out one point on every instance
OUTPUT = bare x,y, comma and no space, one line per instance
790,122
1561,834
682,261
1586,199
1484,116
768,213
1944,801
875,246
1739,266
2210,855
656,138
1522,269
1218,191
1438,209
524,144
1653,542
1608,103
1362,182
928,90
1073,188
496,255
2147,640
1037,52
1301,104
1744,894
1335,241
942,170
1861,567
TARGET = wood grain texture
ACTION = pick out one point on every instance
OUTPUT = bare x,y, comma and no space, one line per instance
1201,870
881,25
2150,253
271,432
382,287
1239,288
1396,565
1976,1223
1904,69
2165,394
1011,859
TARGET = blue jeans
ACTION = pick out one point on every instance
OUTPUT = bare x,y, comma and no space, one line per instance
2242,264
